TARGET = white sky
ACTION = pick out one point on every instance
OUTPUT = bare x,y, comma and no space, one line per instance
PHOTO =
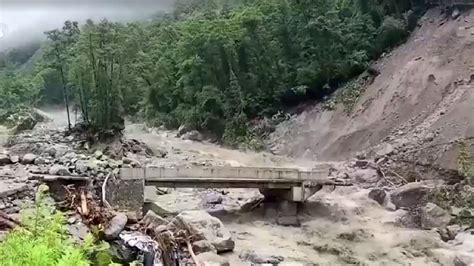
23,18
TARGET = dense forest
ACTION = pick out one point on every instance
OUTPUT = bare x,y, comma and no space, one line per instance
210,65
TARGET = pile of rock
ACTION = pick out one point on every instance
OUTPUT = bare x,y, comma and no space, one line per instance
208,234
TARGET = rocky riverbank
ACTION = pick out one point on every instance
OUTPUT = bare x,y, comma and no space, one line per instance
383,218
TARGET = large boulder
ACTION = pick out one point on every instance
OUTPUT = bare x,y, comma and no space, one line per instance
212,259
206,227
59,170
24,122
409,195
28,158
378,195
367,175
433,216
116,226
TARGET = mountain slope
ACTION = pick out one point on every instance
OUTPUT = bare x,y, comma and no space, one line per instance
423,96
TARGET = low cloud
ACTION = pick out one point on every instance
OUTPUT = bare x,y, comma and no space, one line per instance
23,21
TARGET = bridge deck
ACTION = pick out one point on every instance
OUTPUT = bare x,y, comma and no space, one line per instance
230,177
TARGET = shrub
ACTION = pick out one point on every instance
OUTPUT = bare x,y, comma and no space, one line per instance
391,33
42,240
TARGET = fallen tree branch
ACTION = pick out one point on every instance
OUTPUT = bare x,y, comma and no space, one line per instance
399,176
104,189
84,209
191,252
381,170
49,178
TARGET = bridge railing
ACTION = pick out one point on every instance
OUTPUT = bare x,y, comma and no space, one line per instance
226,172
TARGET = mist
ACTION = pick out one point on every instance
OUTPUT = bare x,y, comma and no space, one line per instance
25,21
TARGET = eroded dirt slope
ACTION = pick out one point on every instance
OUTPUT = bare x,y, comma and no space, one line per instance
425,90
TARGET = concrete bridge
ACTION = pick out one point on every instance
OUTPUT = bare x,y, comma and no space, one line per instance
291,184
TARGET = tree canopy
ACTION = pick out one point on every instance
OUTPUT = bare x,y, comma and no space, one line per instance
214,65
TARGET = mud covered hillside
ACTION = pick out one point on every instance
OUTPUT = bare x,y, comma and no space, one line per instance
422,98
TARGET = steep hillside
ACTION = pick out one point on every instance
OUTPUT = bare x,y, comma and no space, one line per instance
422,98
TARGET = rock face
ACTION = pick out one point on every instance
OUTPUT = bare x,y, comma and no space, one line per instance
59,170
433,216
28,158
212,259
207,227
409,195
116,226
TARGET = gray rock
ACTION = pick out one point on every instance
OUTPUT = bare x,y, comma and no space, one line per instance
212,197
193,135
253,257
153,220
449,232
25,122
378,195
130,161
433,216
182,130
59,170
61,150
40,160
51,151
212,259
28,158
409,195
78,231
98,154
362,163
4,160
14,159
207,227
82,166
116,226
368,175
455,14
202,246
463,260
384,149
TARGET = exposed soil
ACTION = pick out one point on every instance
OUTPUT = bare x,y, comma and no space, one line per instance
425,87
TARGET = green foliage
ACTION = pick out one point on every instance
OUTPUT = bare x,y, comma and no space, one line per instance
349,94
17,93
216,64
465,163
42,240
391,32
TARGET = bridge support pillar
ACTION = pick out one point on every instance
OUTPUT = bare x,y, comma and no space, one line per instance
294,194
126,193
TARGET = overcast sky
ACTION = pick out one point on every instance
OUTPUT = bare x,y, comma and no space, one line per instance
23,19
